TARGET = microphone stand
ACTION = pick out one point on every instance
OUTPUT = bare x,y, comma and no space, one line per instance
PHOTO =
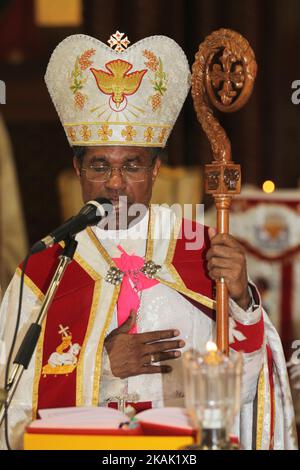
31,338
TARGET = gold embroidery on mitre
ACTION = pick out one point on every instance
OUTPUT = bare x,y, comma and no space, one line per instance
108,132
64,360
105,132
129,133
162,135
118,83
85,133
71,132
159,79
148,134
78,78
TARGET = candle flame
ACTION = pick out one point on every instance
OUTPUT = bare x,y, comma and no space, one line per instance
211,346
268,187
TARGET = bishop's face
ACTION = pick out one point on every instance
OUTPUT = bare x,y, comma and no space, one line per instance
118,171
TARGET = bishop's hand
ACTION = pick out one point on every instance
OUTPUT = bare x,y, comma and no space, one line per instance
134,354
226,258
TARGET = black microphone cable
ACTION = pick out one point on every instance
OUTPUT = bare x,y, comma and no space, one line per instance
24,266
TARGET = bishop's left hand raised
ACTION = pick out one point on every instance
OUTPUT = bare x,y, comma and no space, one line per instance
227,258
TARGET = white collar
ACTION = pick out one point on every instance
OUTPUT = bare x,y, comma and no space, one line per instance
137,232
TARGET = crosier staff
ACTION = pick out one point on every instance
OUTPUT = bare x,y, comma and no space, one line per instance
223,76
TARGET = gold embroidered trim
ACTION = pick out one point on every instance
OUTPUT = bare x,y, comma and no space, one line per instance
38,370
142,143
120,123
96,295
39,349
274,417
173,242
179,285
104,253
201,299
80,365
98,360
86,267
150,237
100,247
29,283
274,405
260,409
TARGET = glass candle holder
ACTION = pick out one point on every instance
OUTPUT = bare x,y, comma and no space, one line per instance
212,383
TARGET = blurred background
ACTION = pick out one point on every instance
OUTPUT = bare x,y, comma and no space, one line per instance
35,158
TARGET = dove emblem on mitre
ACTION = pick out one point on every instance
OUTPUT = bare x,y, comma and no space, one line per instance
117,82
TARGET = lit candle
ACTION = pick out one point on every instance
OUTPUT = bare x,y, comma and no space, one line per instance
211,346
213,415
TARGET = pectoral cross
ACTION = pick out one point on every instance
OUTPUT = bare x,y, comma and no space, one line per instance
123,400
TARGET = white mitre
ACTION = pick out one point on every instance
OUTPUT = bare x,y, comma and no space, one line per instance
118,97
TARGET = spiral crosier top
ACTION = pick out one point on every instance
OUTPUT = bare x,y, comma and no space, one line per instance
118,97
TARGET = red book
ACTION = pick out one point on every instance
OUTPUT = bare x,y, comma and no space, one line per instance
104,420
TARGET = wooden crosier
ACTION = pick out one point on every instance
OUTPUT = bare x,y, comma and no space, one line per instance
223,75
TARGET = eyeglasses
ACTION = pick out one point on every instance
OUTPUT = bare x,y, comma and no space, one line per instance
102,173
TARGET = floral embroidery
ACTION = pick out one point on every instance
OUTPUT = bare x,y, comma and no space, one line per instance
148,134
78,78
105,132
85,133
129,133
162,135
84,60
159,79
72,134
153,62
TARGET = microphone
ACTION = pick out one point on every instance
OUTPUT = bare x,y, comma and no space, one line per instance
91,213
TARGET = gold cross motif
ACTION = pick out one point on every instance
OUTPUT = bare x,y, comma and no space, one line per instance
63,330
118,42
